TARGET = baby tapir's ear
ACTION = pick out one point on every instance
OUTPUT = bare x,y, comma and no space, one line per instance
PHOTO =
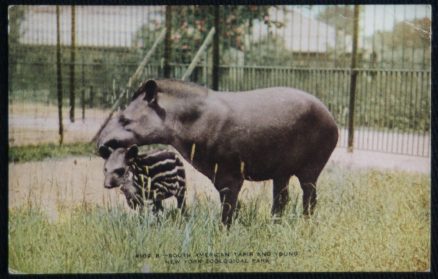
104,151
132,152
151,91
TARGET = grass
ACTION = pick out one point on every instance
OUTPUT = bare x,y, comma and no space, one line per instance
49,150
365,221
27,153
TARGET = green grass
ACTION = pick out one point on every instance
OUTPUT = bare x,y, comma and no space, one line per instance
44,151
40,152
365,221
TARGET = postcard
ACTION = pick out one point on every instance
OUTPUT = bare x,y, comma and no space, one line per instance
186,139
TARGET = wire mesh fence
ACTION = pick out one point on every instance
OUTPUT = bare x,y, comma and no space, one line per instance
306,47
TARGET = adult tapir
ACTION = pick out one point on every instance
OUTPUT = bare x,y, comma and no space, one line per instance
271,133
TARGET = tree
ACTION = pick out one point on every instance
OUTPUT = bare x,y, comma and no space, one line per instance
190,25
408,42
340,17
408,33
16,17
261,52
414,33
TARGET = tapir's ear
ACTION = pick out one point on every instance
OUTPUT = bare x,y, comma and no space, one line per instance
132,152
104,151
150,88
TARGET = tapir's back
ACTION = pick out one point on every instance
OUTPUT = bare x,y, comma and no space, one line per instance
278,104
277,130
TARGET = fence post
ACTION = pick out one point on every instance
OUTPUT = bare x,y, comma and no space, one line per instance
195,59
83,103
91,100
168,42
83,92
353,78
58,75
216,50
145,61
205,69
72,64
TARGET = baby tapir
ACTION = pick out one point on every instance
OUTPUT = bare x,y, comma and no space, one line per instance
155,176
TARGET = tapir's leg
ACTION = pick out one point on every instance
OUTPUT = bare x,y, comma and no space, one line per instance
158,205
229,201
228,191
181,199
308,185
280,194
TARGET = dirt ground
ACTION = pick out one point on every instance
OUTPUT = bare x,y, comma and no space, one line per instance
380,160
37,123
51,184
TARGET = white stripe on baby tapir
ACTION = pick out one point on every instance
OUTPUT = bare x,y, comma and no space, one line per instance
157,153
159,163
166,173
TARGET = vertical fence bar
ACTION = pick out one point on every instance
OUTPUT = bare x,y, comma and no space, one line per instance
366,106
83,90
91,97
72,64
216,50
58,74
353,77
168,42
421,101
429,132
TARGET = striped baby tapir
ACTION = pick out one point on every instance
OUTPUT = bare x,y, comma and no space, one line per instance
153,176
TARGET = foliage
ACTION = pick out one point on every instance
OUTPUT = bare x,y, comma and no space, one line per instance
339,17
396,100
15,16
26,153
414,33
102,72
44,151
408,44
365,221
261,52
271,50
191,24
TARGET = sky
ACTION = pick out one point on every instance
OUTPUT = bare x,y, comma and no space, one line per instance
382,17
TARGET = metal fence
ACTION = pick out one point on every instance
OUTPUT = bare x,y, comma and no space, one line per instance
306,47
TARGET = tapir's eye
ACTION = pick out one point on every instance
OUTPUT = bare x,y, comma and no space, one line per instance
123,120
120,171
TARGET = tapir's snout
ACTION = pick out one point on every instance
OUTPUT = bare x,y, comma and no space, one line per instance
112,143
110,183
116,143
115,137
109,186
